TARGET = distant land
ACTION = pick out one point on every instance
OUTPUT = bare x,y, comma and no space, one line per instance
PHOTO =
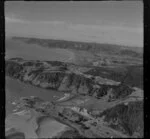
88,46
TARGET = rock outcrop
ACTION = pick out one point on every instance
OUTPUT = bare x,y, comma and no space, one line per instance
119,121
126,118
57,75
52,77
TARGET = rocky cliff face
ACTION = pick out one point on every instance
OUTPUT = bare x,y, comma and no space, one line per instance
48,76
118,111
59,76
121,120
126,118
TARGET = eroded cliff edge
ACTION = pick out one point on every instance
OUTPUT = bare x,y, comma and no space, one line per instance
119,111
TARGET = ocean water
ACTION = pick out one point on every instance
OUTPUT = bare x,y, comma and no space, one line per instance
16,48
16,89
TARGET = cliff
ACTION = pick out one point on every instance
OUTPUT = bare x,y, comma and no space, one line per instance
61,77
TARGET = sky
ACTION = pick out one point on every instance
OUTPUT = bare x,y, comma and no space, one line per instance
111,22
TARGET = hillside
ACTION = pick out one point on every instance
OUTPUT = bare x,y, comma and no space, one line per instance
60,76
94,106
95,89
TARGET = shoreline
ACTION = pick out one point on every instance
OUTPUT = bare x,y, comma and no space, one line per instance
46,122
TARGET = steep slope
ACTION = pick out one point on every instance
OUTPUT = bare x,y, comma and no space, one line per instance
120,121
130,75
126,118
59,76
118,111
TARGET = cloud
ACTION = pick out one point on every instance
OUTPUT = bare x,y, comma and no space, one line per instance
14,20
103,28
51,22
110,33
78,27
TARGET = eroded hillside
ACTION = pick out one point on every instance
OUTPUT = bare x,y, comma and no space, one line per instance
64,77
95,106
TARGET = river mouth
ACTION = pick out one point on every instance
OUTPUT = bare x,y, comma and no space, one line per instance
16,89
